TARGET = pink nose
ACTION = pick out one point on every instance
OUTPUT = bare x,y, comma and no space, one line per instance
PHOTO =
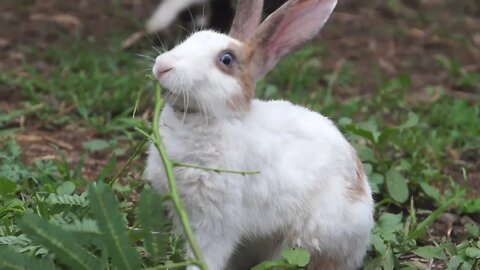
163,69
162,66
160,70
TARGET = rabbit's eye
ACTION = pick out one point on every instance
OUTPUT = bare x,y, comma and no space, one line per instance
227,58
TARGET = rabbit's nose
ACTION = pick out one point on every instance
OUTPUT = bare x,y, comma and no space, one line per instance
161,69
162,66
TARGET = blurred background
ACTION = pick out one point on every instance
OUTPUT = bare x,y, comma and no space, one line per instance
401,79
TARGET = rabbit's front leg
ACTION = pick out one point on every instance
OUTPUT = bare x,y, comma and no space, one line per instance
216,249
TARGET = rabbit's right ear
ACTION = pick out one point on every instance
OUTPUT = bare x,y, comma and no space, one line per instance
285,30
247,18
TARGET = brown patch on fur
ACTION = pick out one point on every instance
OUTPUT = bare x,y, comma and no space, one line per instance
357,190
240,70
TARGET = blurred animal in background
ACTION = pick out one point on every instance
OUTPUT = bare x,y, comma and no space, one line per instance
168,11
173,20
212,14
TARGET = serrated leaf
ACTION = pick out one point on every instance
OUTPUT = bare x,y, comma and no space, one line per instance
12,240
74,199
430,252
296,256
11,260
153,222
110,222
397,186
59,242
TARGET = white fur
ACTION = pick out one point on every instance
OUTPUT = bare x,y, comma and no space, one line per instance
306,166
195,69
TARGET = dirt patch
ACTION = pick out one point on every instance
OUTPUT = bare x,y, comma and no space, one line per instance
370,36
67,141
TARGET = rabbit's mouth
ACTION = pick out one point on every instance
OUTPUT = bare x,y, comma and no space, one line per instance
177,102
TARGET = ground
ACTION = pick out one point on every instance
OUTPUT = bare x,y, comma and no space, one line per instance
67,85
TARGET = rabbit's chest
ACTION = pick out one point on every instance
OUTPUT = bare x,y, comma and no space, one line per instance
196,145
201,188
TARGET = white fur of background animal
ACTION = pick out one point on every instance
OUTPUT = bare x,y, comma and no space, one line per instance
311,192
166,13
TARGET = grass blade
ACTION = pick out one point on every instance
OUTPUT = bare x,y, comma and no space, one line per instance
59,242
421,229
109,220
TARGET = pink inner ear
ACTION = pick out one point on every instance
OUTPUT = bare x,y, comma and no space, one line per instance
302,25
293,25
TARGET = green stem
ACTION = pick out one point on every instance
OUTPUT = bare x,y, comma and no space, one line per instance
138,149
141,131
173,265
175,197
217,170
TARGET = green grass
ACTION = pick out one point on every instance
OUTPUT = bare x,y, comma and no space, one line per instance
405,149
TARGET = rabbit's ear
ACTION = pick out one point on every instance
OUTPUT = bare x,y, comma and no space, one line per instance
285,30
247,19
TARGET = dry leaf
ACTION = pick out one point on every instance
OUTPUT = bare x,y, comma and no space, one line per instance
65,20
132,39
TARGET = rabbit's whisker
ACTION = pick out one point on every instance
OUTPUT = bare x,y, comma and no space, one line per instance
182,27
193,20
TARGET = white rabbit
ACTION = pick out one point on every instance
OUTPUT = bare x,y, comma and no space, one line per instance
311,191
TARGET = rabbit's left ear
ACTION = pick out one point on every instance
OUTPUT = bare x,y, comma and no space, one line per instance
285,30
247,18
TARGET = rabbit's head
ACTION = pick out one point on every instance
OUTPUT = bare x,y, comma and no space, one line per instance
215,74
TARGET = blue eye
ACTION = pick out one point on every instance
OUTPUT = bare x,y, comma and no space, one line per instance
227,58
